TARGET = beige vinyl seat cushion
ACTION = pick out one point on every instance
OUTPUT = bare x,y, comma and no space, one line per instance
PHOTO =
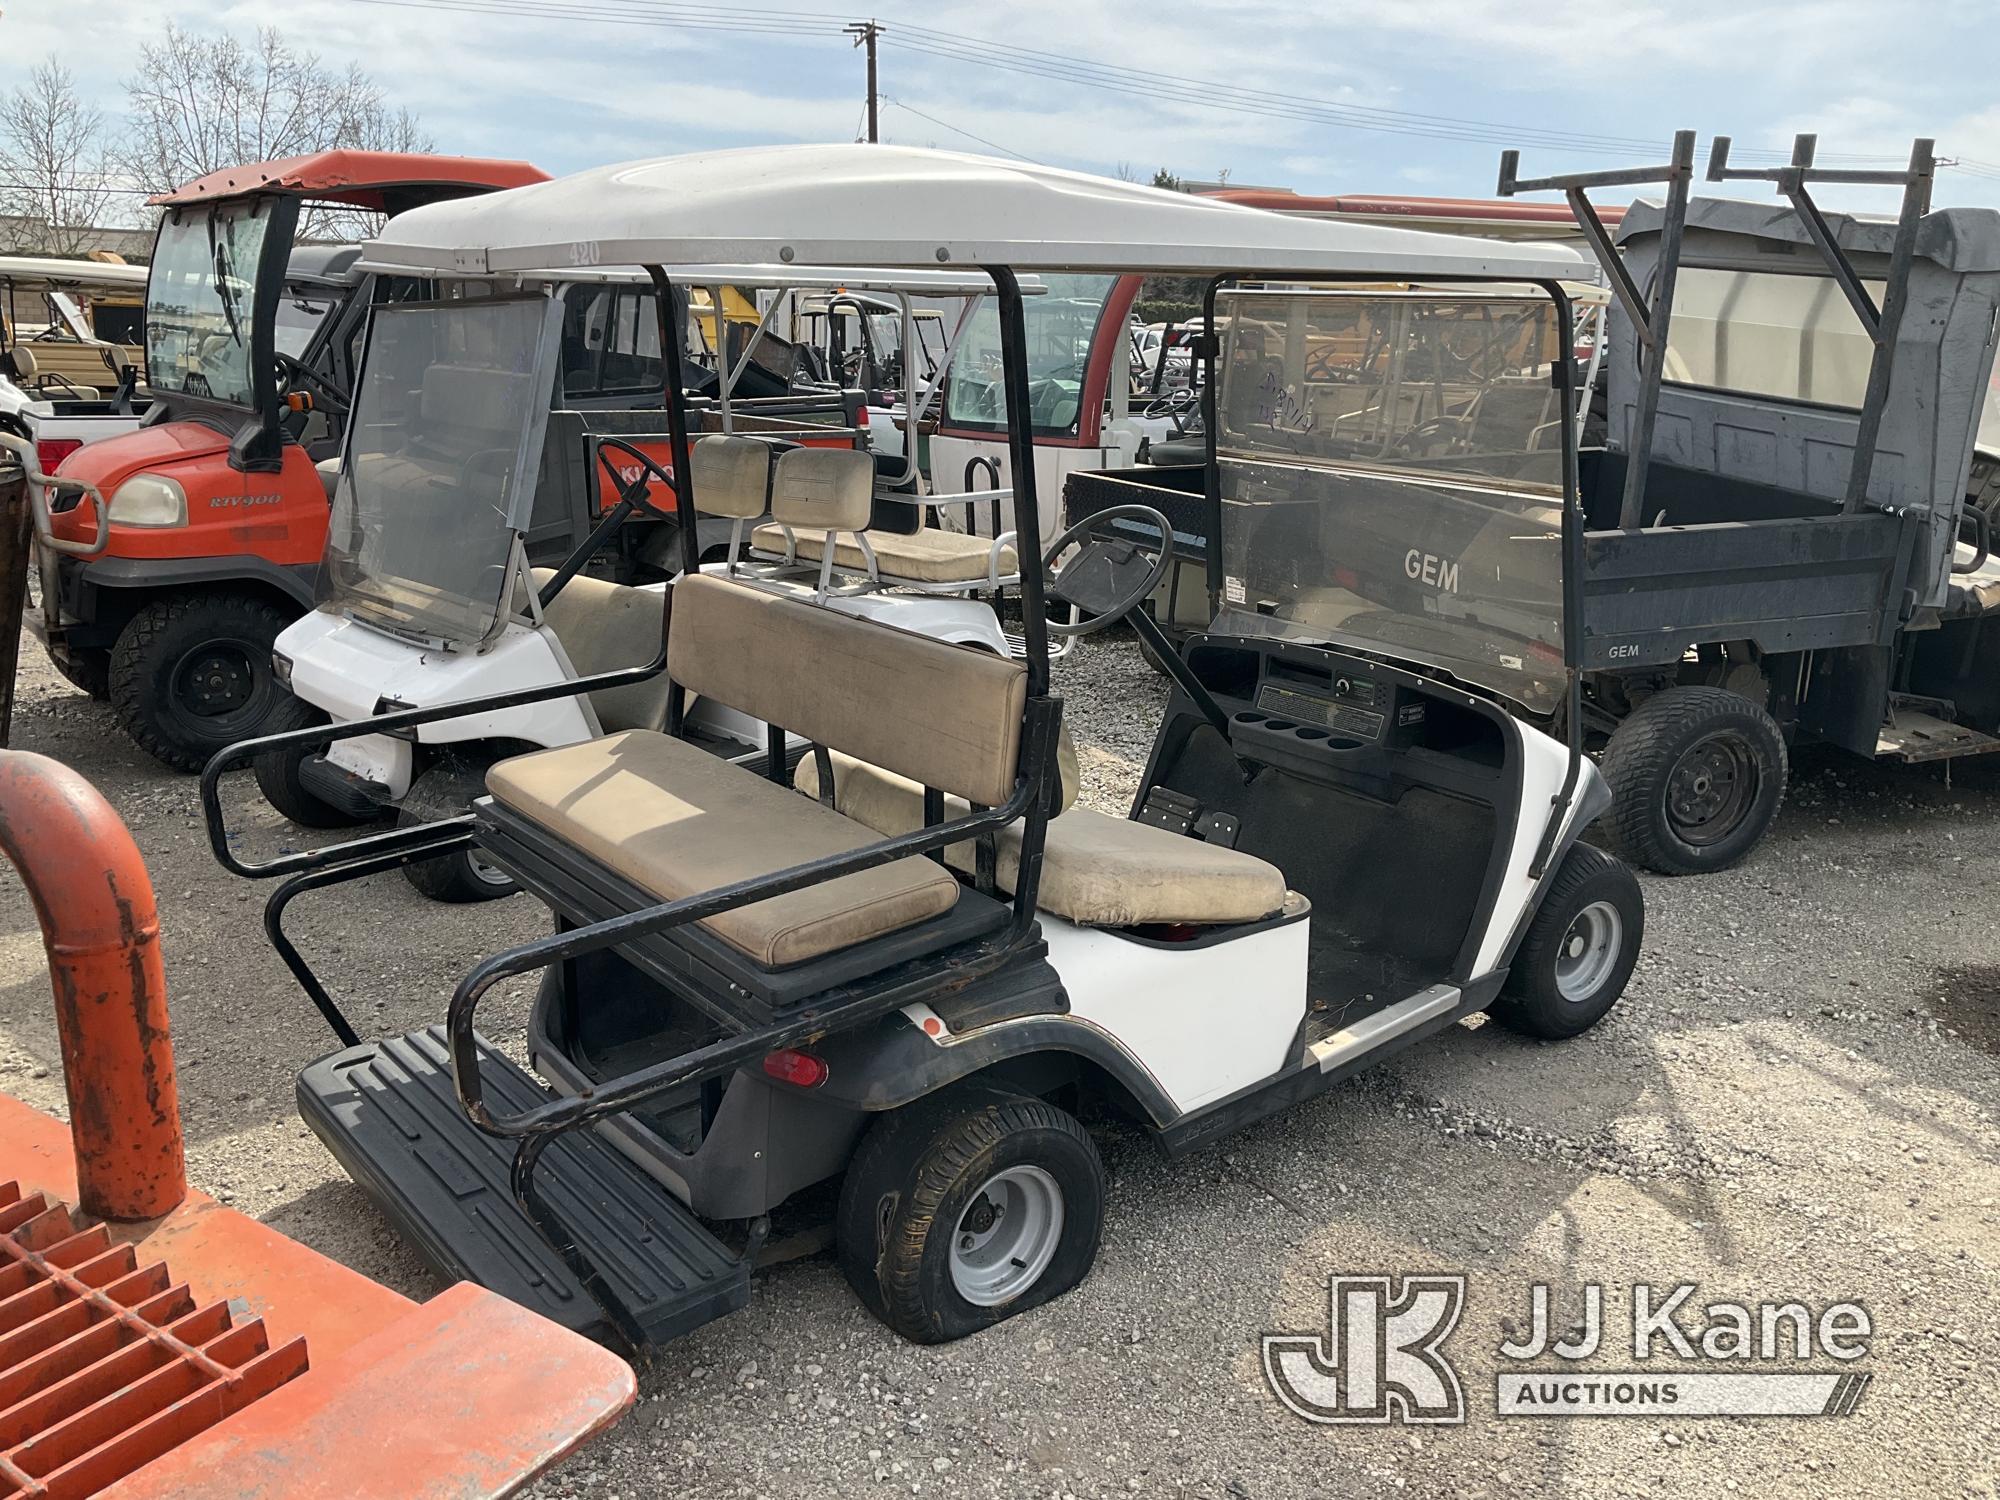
928,556
677,821
1097,871
605,626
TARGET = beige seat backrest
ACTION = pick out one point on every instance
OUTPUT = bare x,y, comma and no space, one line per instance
829,487
946,716
604,626
732,476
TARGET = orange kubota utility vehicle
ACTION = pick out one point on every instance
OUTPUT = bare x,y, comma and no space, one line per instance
218,511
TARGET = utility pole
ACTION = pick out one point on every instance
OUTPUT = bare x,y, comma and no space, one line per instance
864,34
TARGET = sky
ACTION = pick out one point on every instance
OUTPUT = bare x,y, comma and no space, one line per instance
1578,83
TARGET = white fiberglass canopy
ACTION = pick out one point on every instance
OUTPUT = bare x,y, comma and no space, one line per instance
897,206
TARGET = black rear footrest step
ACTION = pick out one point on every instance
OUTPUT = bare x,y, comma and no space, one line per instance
388,1112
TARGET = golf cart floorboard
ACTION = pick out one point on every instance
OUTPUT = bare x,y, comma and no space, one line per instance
388,1112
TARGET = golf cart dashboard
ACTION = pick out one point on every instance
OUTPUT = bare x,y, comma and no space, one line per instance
1350,721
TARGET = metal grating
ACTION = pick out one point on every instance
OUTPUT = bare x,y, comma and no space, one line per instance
106,1364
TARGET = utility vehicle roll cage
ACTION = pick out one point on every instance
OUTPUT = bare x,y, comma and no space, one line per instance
751,1033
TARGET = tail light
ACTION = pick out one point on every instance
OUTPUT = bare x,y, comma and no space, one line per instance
50,452
800,1069
861,417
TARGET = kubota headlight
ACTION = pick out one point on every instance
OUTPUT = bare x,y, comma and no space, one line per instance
149,500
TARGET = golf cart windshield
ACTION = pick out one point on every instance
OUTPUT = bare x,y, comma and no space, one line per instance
1062,326
1391,472
438,475
200,301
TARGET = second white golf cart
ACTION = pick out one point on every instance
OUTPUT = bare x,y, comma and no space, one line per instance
903,966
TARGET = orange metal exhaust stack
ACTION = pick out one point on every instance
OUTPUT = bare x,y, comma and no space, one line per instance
94,900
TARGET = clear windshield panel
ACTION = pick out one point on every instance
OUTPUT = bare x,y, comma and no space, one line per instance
446,428
1061,327
200,301
1391,471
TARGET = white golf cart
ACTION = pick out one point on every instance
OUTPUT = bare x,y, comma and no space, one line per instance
426,592
902,964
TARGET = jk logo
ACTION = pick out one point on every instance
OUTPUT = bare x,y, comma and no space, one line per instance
1380,1359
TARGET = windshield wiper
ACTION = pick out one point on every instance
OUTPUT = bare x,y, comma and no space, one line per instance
223,294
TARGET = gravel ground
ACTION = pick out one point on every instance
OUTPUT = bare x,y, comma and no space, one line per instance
1795,1100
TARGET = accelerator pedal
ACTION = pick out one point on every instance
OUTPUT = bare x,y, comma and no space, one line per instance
388,1112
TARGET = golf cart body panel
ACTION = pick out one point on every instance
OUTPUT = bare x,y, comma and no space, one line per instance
709,973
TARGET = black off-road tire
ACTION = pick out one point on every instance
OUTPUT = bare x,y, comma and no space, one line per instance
89,671
444,791
161,667
917,1174
278,779
1664,765
1592,893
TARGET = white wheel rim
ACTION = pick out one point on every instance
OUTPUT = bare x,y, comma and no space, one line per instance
1589,951
1007,1236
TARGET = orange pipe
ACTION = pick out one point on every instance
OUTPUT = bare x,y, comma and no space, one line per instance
102,932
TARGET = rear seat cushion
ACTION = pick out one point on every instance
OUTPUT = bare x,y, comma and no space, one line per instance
929,556
831,487
949,715
732,476
1097,871
677,821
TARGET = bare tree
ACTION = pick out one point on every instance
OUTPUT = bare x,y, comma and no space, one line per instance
201,103
54,165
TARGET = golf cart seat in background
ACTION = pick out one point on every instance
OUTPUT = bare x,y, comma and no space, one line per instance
671,820
822,493
1097,870
603,627
328,470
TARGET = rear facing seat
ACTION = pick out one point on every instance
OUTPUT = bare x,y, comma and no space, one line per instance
823,497
674,820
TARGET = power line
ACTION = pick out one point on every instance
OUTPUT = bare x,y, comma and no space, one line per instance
957,129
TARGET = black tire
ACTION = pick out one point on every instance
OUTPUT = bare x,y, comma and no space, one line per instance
1697,775
1594,901
191,673
444,791
89,671
278,779
915,1183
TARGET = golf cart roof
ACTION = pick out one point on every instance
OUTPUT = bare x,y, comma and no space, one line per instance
846,205
57,272
329,265
1958,239
384,181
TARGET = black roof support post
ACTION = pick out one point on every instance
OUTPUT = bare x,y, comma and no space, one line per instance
1649,314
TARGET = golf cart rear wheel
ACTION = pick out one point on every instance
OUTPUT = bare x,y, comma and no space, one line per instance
1696,775
445,791
1578,953
191,673
965,1208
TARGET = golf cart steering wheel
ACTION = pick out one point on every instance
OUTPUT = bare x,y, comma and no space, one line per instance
1174,404
296,373
1111,576
637,491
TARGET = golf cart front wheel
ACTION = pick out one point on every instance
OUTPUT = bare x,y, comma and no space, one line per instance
968,1207
1578,953
1696,776
445,791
